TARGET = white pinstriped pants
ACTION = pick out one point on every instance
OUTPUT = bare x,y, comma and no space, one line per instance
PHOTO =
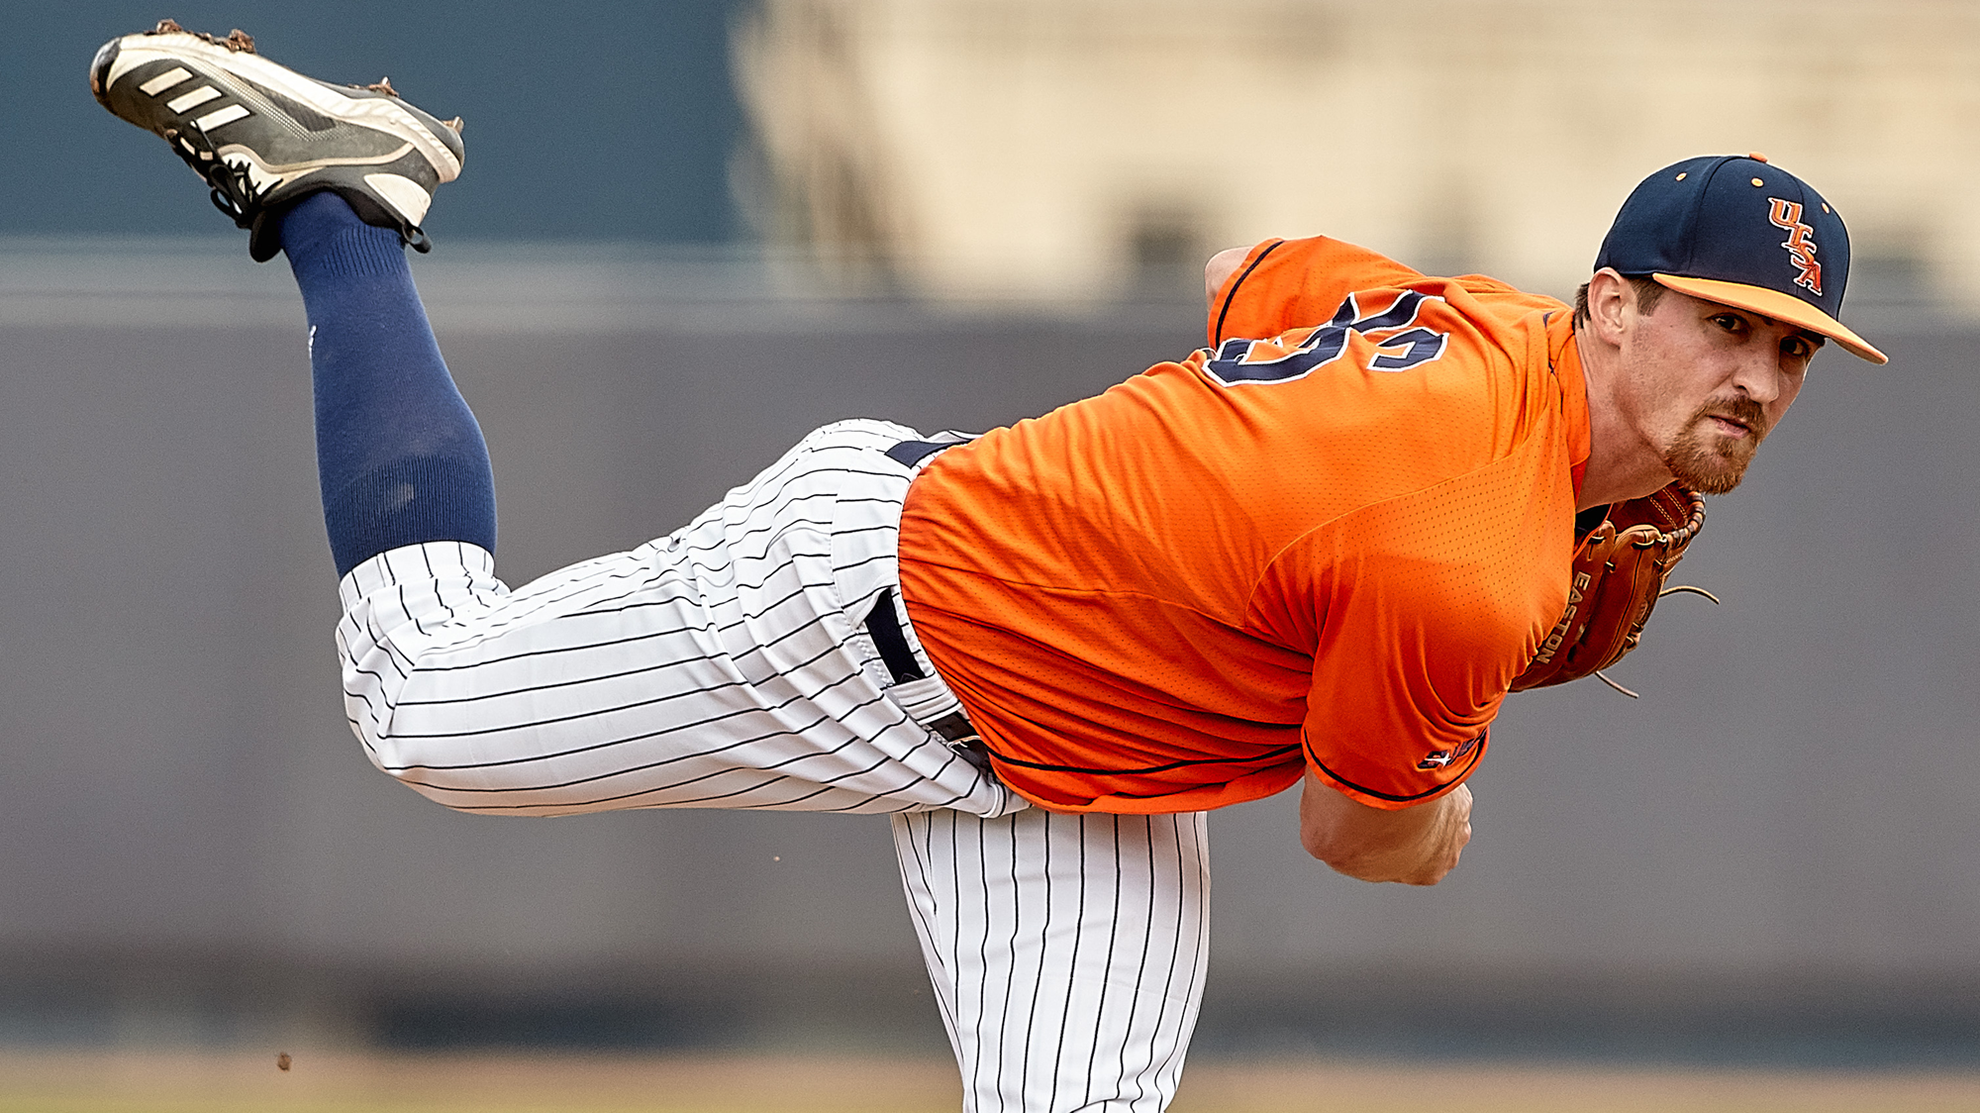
1067,952
727,665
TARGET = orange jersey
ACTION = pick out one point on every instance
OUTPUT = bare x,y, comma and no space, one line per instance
1331,548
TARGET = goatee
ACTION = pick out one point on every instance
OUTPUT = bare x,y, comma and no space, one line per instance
1708,461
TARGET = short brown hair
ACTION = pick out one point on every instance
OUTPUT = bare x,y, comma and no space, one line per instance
1648,293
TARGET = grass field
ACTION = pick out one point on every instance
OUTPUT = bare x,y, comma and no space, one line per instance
341,1082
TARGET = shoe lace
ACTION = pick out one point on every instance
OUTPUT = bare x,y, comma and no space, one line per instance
230,187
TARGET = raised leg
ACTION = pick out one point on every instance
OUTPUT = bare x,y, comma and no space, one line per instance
338,177
1067,952
723,666
399,456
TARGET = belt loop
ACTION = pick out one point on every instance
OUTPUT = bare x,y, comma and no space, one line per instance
885,629
937,709
910,454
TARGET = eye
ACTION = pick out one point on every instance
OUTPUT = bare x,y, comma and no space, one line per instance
1730,322
1798,350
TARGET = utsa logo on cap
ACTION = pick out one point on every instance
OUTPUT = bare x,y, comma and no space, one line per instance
1800,242
1711,227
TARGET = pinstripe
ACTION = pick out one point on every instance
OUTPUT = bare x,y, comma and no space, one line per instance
684,725
1141,969
1189,874
914,855
954,874
1029,1012
542,721
947,756
982,985
618,645
1073,891
572,585
713,667
1079,938
446,609
1142,1077
1036,999
760,783
726,665
1113,938
617,771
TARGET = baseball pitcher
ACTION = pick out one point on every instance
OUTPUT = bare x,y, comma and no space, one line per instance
1318,552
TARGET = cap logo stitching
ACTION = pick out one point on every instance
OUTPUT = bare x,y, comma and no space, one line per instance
1800,243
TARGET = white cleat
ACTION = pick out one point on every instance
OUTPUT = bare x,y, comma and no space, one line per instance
264,136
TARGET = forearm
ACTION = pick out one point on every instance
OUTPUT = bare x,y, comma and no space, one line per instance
1414,846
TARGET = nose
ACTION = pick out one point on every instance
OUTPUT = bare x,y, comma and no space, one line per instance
1758,375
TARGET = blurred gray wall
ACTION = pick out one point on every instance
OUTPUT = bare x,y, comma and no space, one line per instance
579,114
1781,831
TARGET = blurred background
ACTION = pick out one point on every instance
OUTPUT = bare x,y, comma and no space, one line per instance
688,232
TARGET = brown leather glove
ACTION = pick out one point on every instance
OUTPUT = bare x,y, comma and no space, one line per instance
1616,578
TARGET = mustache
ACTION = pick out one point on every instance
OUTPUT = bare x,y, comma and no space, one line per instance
1741,409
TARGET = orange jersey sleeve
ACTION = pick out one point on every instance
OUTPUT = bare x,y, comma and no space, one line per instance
1330,548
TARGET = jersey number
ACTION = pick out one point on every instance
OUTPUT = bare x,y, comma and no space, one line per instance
1404,345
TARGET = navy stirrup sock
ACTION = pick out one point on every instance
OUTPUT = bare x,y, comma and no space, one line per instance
398,453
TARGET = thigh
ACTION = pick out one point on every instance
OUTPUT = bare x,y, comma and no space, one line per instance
1067,952
716,667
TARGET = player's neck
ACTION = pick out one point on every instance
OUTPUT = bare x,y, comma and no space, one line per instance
1622,464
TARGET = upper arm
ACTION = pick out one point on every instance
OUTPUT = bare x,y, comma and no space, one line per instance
1425,607
1414,651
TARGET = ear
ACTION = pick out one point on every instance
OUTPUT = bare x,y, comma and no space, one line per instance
1611,302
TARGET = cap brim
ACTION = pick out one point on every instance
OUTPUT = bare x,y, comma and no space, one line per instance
1773,303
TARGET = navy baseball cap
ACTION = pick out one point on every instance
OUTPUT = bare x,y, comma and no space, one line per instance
1736,230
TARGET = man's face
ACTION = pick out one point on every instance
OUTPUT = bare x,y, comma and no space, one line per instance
1704,384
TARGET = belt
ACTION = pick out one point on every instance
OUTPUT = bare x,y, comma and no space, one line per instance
885,629
883,625
909,453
